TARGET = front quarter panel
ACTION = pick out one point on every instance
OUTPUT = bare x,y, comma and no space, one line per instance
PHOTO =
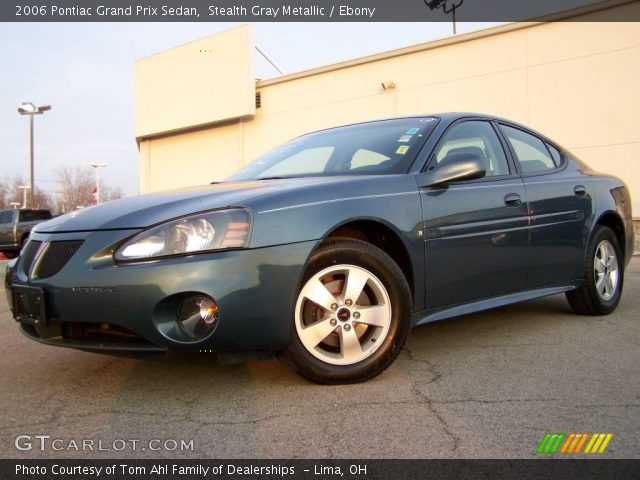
254,290
312,213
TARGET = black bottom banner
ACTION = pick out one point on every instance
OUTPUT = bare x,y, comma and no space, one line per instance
320,469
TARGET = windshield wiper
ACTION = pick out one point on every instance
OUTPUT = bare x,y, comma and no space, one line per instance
272,178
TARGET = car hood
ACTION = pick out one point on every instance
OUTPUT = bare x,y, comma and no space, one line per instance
150,209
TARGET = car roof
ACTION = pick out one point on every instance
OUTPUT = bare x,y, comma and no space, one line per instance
447,117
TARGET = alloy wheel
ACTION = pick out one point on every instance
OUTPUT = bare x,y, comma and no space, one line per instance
343,314
605,270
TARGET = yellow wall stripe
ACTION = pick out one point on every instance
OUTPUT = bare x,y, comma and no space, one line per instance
594,437
605,442
596,445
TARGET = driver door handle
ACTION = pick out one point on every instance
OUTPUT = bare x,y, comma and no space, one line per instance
580,191
512,200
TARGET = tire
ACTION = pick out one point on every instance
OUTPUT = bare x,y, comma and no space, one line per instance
355,338
600,292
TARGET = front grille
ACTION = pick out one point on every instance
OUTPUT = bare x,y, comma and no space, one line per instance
28,254
56,256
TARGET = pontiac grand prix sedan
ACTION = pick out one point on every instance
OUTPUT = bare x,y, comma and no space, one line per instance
331,247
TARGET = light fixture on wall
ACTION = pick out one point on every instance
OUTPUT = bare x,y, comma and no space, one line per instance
389,85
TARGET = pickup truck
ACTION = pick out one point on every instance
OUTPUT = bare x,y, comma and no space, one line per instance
15,227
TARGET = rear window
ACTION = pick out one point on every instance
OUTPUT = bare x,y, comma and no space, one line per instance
34,215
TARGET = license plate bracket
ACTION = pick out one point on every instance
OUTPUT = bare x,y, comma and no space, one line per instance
28,305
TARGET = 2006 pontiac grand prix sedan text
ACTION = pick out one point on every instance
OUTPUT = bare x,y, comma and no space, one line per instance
331,247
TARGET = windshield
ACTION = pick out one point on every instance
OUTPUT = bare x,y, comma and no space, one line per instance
376,148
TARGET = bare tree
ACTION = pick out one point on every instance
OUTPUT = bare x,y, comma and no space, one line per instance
5,202
107,193
76,188
9,192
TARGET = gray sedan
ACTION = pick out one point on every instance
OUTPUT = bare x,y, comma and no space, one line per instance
330,248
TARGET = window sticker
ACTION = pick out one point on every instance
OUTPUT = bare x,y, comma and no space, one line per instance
413,131
402,149
426,120
405,138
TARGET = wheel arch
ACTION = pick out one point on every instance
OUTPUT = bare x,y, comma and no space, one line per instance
612,220
381,234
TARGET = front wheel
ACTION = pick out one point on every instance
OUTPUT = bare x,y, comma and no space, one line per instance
604,275
352,314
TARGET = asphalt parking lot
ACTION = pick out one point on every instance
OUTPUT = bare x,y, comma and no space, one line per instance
484,385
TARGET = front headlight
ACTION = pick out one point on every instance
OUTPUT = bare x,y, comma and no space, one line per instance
217,230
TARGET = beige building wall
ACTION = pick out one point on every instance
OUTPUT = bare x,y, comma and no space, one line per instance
210,79
576,82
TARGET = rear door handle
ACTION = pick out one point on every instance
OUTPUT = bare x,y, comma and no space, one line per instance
512,200
579,190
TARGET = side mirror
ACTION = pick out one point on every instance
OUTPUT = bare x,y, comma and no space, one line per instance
457,167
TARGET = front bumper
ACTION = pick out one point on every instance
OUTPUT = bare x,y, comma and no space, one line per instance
254,289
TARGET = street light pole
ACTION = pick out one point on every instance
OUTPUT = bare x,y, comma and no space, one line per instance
97,166
24,189
31,178
28,108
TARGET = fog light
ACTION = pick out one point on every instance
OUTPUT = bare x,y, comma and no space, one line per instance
197,316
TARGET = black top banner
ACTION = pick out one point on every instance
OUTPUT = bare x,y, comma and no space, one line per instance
312,11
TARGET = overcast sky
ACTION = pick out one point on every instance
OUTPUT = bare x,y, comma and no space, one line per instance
85,72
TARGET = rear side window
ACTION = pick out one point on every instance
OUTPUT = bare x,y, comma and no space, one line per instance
6,216
532,154
33,215
555,153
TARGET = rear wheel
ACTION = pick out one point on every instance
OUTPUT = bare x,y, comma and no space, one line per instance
352,314
604,276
